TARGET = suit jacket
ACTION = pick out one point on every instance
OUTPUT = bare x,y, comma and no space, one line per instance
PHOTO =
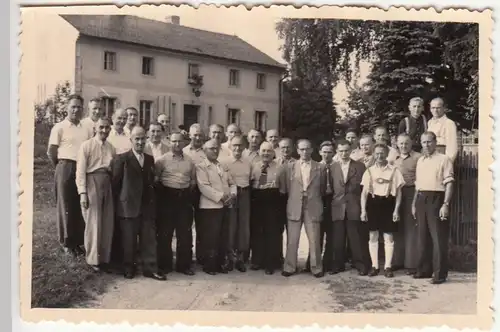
213,186
133,186
290,182
346,201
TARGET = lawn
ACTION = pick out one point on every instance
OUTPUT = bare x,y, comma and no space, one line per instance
58,281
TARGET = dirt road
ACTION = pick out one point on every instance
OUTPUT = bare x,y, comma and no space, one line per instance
255,291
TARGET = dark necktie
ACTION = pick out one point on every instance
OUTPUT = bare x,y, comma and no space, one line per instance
263,174
328,180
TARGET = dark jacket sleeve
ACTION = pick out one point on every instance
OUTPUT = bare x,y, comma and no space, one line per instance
117,170
402,126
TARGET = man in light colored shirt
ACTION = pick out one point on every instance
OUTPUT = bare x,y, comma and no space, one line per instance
239,214
444,128
65,140
164,121
351,135
216,132
177,179
286,148
154,146
305,183
132,119
117,136
273,137
381,136
433,191
94,187
194,150
225,148
254,138
266,226
218,193
94,114
366,146
414,124
405,239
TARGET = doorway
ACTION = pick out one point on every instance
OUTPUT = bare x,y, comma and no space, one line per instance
191,113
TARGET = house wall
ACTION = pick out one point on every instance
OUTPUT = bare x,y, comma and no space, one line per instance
168,88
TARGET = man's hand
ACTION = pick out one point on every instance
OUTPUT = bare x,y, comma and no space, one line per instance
395,216
414,211
84,201
363,216
444,212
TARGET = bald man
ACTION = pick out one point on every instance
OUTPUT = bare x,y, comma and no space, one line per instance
133,176
254,138
273,137
117,136
94,113
225,148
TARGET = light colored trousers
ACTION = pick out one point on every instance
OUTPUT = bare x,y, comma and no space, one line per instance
99,219
313,231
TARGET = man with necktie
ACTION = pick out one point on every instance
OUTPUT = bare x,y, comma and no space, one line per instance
305,183
133,178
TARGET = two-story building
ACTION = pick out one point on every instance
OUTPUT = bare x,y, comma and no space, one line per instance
191,75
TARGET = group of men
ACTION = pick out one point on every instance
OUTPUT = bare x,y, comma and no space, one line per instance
122,192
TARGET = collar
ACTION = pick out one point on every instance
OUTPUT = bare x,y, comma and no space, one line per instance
179,156
443,118
137,154
382,168
100,142
325,163
435,153
233,159
79,124
305,162
407,156
344,163
191,147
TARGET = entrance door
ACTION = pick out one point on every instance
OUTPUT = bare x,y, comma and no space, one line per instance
190,115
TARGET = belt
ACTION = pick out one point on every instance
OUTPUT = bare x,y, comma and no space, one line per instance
100,171
179,190
66,161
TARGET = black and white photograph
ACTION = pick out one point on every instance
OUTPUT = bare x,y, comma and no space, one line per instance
272,160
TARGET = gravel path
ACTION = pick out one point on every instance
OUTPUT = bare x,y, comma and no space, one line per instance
255,291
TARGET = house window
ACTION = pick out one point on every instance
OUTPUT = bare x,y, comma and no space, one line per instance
233,116
108,105
145,108
261,81
147,65
260,120
234,77
193,70
109,61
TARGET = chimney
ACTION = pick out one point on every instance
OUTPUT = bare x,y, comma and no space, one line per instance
173,19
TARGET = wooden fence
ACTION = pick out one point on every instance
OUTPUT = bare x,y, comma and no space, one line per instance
463,206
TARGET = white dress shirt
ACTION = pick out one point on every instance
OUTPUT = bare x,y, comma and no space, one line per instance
345,168
446,134
121,141
68,138
305,169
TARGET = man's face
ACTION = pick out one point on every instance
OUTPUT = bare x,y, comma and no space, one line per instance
273,137
163,120
404,144
231,132
428,144
344,151
304,150
138,140
254,139
416,108
155,133
380,136
216,133
266,152
176,142
437,108
95,110
212,151
365,145
285,148
132,117
74,110
196,136
380,154
352,138
237,147
102,128
326,153
120,119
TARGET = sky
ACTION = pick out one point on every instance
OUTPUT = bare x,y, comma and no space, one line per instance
256,27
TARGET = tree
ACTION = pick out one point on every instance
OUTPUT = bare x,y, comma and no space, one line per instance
54,108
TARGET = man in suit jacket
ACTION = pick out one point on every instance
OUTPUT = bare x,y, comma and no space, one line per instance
346,211
305,183
133,187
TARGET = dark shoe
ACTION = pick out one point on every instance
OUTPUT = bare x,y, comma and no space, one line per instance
129,274
307,269
254,267
421,276
319,275
397,268
188,272
69,252
155,276
208,271
95,268
388,273
437,281
336,270
374,272
362,272
230,266
269,271
287,274
80,251
410,272
240,266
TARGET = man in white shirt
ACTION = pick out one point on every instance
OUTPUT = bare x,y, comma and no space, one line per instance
154,146
65,140
444,128
273,137
117,136
132,119
94,114
381,136
163,120
225,148
254,138
94,186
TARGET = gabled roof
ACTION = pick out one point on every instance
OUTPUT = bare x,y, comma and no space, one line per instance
173,37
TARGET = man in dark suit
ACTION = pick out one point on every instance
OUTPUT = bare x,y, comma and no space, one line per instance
346,211
133,187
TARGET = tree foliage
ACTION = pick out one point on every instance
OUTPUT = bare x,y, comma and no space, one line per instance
53,109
